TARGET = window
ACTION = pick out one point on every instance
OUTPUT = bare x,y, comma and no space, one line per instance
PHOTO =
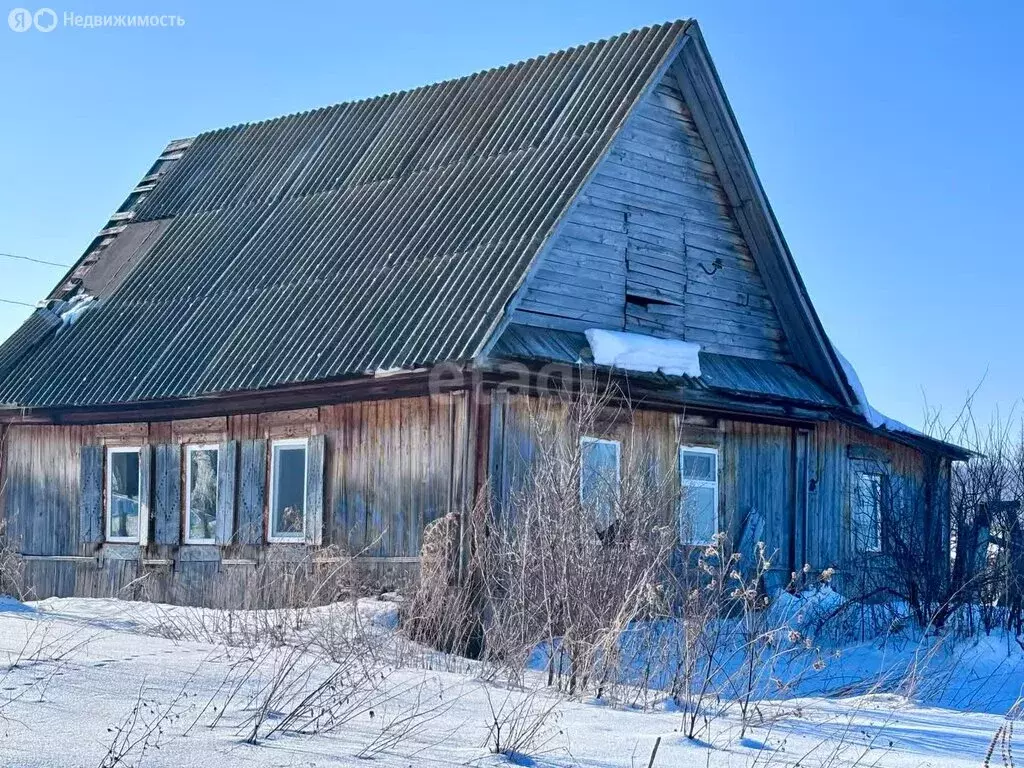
867,511
124,480
288,490
201,464
599,479
698,508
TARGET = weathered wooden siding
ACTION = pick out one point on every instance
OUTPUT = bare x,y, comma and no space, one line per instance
651,246
830,539
389,472
391,466
527,429
794,480
757,488
40,480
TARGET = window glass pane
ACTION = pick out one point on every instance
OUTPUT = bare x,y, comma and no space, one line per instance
124,495
866,508
599,480
202,494
699,517
699,466
288,514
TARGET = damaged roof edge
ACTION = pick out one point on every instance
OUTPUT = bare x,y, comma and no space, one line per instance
72,280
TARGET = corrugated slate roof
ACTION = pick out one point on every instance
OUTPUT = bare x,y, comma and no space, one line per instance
370,235
31,333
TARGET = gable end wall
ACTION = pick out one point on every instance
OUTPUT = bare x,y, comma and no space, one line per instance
638,249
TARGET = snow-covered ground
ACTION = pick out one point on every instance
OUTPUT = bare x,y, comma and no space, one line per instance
88,681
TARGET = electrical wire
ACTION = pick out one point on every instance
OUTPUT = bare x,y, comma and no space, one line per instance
36,261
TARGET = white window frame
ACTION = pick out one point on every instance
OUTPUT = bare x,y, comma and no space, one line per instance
858,477
588,440
189,450
685,483
290,442
108,519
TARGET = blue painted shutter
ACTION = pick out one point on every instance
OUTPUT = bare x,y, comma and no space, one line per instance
315,490
168,494
90,522
227,467
252,492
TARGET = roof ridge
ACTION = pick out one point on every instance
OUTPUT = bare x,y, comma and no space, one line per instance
683,22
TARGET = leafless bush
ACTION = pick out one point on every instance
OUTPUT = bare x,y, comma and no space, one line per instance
521,724
43,655
143,728
302,697
597,590
441,612
696,625
405,713
569,574
947,552
1002,740
304,584
330,672
305,695
12,567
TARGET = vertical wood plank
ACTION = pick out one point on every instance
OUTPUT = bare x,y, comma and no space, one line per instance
315,490
800,491
145,492
227,469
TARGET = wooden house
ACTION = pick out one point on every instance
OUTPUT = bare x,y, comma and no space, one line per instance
295,337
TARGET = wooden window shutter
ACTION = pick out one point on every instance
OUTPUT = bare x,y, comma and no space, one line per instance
227,467
145,491
167,502
90,522
252,492
315,490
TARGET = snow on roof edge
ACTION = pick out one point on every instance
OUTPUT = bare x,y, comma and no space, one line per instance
875,418
647,354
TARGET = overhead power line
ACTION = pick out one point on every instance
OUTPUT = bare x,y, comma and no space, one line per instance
36,261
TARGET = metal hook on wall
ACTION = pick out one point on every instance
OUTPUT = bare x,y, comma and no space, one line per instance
717,264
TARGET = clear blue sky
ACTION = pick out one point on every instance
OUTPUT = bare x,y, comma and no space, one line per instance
890,139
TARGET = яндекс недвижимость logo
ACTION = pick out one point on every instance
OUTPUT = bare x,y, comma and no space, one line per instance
46,20
22,19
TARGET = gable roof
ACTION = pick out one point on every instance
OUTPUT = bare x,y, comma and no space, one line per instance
387,233
370,235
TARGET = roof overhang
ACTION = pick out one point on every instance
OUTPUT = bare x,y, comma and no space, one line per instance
375,385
